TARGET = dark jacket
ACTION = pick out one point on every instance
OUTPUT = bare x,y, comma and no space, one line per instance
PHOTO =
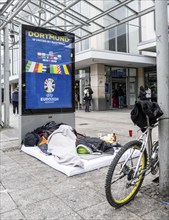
120,92
15,96
115,94
142,93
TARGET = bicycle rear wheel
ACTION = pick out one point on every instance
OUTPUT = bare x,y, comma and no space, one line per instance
121,185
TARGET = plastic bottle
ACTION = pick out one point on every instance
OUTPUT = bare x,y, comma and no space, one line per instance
114,139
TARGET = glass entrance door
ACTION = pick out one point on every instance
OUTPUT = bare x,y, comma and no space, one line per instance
118,87
132,88
126,78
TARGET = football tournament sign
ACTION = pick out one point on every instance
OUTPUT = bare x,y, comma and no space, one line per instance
47,70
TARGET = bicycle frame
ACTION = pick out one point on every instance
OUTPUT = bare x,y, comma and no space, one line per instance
146,139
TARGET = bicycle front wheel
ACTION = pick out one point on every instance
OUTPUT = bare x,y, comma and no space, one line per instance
125,174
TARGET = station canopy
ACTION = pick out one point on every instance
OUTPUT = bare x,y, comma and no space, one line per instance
84,18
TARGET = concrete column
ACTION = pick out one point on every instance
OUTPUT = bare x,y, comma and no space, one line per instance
140,78
97,75
163,91
6,78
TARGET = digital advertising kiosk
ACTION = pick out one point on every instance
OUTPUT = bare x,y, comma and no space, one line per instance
46,80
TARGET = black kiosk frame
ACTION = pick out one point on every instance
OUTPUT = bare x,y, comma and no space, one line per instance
47,75
48,71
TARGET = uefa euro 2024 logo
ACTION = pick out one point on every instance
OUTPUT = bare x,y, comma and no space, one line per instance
49,85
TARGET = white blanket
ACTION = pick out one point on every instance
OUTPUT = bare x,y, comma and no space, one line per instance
62,145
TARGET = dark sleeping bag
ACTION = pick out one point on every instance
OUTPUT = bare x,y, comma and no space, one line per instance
95,144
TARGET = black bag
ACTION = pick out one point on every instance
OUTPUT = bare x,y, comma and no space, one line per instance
151,109
34,138
47,128
31,139
137,116
145,108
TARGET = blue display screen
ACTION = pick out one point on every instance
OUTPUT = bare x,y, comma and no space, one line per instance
48,69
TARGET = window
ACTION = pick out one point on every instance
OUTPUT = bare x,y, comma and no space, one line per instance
121,38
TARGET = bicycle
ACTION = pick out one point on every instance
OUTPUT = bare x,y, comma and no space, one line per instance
131,164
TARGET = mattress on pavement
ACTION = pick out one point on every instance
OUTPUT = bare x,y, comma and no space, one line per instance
91,162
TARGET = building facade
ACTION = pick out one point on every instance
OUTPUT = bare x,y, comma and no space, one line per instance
114,58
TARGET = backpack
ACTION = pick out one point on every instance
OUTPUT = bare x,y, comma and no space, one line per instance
145,108
138,117
86,93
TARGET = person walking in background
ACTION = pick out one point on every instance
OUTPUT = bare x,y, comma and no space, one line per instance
15,100
153,94
77,99
121,97
148,93
87,97
115,99
142,93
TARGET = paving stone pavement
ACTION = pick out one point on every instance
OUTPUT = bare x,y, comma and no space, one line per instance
31,190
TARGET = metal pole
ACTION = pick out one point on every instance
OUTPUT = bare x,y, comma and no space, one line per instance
0,85
163,91
6,78
61,11
81,90
15,13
